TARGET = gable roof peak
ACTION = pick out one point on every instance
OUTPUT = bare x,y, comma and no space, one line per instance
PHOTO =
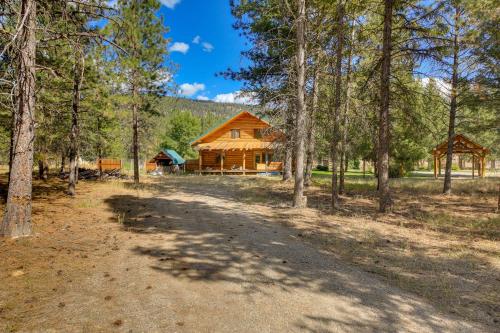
224,123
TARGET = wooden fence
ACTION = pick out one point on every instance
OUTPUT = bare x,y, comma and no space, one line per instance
109,164
150,166
192,165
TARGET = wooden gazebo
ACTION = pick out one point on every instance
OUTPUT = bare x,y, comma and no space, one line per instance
461,145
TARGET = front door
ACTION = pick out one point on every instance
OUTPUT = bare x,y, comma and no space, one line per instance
257,158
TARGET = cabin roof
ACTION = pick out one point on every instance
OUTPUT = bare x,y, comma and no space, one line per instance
223,123
235,145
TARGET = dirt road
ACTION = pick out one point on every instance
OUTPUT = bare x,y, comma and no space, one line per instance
194,258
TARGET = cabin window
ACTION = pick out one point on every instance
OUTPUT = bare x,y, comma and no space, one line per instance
257,133
235,134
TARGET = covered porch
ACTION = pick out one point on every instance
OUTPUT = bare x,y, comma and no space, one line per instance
237,161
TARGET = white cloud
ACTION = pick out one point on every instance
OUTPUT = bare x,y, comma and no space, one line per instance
189,89
164,78
179,47
236,97
170,3
197,39
207,47
443,86
202,98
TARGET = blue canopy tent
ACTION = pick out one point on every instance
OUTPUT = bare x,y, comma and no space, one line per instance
176,158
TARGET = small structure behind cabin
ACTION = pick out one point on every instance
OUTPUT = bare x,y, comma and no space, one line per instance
165,160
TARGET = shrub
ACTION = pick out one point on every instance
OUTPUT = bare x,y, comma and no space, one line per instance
396,170
322,168
355,164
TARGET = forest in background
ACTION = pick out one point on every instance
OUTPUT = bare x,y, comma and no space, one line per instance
173,123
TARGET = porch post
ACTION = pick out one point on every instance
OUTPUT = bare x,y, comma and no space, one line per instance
244,158
199,161
221,161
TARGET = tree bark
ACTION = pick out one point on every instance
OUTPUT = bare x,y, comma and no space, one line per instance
135,130
336,109
43,168
311,135
63,161
345,121
288,159
341,169
17,216
453,105
78,72
299,200
99,147
385,201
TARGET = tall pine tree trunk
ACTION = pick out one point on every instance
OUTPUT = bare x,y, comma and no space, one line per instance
135,130
75,130
311,135
453,106
288,158
99,147
17,216
385,201
63,161
345,122
43,167
299,200
337,103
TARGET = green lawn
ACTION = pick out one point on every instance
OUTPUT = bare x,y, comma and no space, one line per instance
415,182
349,174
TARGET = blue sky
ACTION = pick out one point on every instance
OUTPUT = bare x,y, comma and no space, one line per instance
203,43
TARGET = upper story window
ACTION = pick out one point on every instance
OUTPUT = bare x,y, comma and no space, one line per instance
257,133
235,134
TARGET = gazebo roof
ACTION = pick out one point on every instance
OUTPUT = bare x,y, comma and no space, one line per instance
461,144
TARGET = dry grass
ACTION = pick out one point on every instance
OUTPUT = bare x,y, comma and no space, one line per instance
71,236
443,248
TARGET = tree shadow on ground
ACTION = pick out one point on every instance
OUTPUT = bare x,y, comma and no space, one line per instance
224,241
414,211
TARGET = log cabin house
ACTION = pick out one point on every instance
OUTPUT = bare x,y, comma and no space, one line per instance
240,145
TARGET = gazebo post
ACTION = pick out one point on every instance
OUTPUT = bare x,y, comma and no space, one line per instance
482,166
473,165
479,166
439,165
435,166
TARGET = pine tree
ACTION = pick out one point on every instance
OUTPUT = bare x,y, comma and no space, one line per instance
142,68
17,217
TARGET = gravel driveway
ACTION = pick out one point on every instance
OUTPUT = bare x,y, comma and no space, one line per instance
196,259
